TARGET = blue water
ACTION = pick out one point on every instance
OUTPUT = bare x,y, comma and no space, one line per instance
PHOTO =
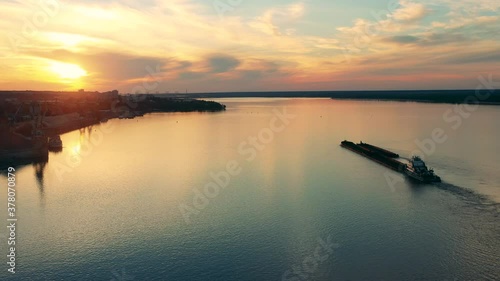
109,206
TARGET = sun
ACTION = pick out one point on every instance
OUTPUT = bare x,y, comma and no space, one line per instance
68,70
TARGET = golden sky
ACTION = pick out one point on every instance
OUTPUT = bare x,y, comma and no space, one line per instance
242,45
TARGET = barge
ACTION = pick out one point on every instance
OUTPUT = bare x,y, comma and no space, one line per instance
416,169
379,150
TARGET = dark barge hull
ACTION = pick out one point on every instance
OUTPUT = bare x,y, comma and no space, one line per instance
379,150
375,156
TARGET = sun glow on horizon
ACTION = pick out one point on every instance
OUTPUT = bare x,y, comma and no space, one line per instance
68,70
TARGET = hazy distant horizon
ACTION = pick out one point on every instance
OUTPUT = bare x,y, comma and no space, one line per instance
481,95
260,91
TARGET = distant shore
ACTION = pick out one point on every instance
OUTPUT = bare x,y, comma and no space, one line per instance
481,96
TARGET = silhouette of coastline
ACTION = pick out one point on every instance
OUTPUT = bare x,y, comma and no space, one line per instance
28,119
481,96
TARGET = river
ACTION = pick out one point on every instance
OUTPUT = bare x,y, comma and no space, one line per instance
263,191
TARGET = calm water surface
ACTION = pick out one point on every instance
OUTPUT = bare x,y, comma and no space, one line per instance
110,210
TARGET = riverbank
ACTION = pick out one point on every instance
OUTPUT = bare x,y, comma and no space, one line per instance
480,96
19,143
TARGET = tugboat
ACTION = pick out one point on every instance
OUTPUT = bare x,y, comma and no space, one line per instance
419,171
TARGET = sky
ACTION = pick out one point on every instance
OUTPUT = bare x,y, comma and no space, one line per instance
241,45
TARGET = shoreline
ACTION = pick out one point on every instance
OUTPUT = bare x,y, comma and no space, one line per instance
418,101
480,96
367,99
28,135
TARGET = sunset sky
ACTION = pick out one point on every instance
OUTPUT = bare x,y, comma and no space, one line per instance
231,45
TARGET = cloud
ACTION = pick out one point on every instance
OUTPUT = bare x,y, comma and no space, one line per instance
173,64
279,45
429,39
402,18
242,78
279,20
440,38
190,75
222,63
467,6
256,69
109,65
478,30
473,58
410,12
402,39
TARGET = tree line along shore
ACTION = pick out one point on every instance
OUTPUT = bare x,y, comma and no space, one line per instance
482,95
